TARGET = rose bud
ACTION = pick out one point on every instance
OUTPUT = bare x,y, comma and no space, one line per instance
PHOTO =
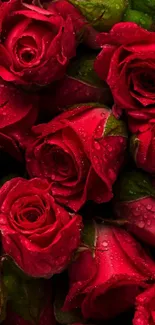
84,32
135,204
80,152
37,233
101,14
140,18
106,277
36,44
145,307
80,85
128,54
18,112
146,6
142,149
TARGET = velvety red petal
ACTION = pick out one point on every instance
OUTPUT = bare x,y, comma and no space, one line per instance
103,61
141,217
145,307
126,33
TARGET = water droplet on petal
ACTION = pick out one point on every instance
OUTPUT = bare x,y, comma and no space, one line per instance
141,224
149,207
109,148
136,213
111,174
96,160
97,145
105,244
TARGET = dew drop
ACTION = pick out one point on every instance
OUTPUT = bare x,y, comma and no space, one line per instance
111,174
96,160
97,145
141,224
109,148
105,244
149,207
136,213
53,177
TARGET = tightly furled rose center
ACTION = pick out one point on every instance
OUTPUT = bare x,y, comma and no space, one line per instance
30,212
68,162
31,42
62,165
36,44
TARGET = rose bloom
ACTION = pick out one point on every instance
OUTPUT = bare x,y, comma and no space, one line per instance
105,279
37,233
36,44
18,112
127,63
145,307
80,152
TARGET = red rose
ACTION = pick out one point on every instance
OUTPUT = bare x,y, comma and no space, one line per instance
143,149
36,44
105,281
80,85
18,112
135,204
80,152
36,232
83,30
126,62
145,308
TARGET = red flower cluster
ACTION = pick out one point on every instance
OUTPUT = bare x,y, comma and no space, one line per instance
77,216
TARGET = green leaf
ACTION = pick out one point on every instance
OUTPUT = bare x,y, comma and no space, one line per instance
82,68
26,295
134,144
140,18
3,301
146,6
71,317
114,127
89,233
7,178
102,14
132,186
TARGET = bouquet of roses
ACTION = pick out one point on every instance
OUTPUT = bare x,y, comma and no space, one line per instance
77,162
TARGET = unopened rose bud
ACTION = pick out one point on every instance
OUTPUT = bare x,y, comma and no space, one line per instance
102,14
